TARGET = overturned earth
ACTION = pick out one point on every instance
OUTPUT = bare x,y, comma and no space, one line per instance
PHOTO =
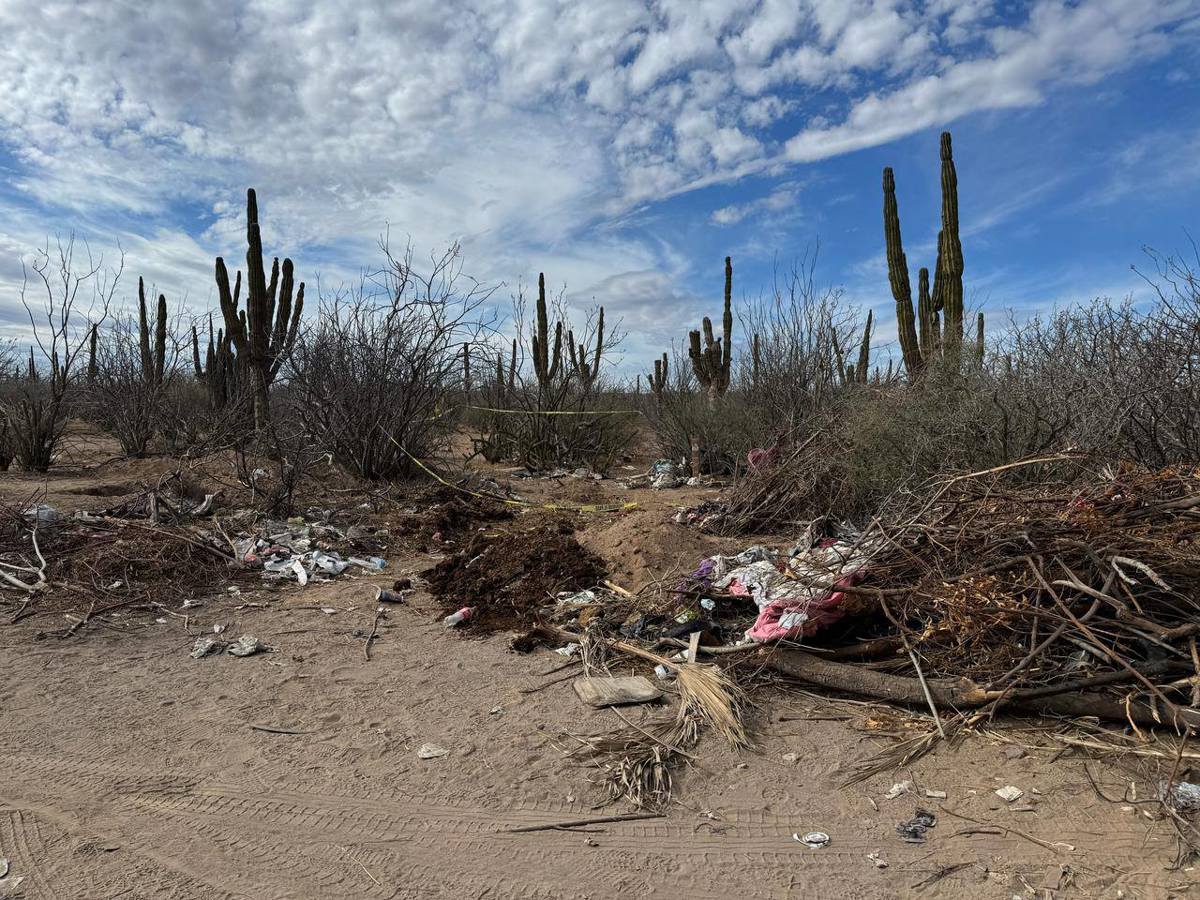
508,577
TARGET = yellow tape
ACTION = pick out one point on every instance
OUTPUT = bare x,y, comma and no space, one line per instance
558,412
584,508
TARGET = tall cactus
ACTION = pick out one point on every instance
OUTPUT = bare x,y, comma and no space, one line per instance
578,356
545,363
658,378
505,385
864,351
712,361
950,257
263,333
937,325
153,356
93,367
218,373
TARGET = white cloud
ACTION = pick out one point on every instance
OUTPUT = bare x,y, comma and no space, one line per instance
521,127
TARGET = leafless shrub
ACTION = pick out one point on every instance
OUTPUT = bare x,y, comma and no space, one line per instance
560,410
793,369
135,372
37,405
273,462
374,376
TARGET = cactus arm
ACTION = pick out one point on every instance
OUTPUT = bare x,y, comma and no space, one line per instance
160,340
950,247
144,331
864,351
897,265
727,325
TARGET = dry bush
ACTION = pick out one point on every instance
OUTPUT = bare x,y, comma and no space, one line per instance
795,371
37,404
129,389
375,377
566,412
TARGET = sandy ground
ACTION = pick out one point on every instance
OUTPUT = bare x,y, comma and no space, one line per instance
128,769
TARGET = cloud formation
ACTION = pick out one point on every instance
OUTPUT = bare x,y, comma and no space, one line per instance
531,130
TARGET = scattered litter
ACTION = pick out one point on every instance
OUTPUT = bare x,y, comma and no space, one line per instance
814,840
3,867
913,831
205,646
383,595
495,710
246,645
791,758
878,861
459,617
44,514
1009,793
218,629
1183,795
296,550
569,650
899,789
708,603
161,621
601,692
664,673
328,610
432,751
935,795
578,598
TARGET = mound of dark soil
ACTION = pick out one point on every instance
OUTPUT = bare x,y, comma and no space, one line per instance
508,578
451,515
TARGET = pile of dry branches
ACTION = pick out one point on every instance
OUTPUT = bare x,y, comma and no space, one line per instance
1071,597
83,570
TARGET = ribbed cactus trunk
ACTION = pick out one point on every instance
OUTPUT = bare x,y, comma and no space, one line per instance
545,363
936,329
263,334
864,351
153,351
712,360
897,264
586,371
93,368
658,378
950,253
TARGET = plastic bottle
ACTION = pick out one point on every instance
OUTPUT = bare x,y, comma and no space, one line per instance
461,616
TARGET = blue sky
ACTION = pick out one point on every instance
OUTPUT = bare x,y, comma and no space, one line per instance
624,147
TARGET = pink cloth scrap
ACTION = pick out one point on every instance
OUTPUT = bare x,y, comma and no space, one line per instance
789,618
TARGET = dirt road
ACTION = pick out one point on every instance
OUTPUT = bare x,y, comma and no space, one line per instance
128,769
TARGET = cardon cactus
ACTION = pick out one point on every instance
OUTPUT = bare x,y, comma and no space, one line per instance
153,356
937,325
658,378
545,363
712,361
585,370
263,334
505,385
218,373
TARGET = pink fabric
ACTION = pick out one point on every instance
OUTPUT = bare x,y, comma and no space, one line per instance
760,458
823,610
738,589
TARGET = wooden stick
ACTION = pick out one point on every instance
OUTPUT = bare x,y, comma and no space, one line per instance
575,823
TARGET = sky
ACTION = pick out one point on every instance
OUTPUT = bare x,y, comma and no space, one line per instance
623,147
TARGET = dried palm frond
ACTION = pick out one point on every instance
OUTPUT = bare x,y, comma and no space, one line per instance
641,756
708,694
